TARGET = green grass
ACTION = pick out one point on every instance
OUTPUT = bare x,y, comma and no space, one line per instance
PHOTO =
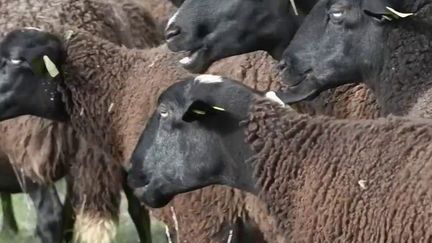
26,218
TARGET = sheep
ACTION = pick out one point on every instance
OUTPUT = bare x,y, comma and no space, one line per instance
371,183
122,24
211,30
122,134
161,10
394,54
86,75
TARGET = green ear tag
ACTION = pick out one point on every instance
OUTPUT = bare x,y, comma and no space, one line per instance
50,66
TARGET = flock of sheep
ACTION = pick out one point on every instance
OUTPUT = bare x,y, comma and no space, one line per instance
178,104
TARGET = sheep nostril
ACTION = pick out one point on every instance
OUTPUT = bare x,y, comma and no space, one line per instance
172,31
282,65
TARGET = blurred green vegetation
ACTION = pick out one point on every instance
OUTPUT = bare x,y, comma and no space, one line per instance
26,218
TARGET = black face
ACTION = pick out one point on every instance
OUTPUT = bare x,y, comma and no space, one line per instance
26,85
189,143
340,41
210,30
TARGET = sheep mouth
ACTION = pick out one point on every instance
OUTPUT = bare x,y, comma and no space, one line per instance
303,89
195,60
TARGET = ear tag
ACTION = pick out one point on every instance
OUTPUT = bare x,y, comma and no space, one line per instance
199,112
50,66
218,108
68,34
294,7
397,14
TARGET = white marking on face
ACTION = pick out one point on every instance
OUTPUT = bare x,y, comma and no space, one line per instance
273,97
209,79
172,19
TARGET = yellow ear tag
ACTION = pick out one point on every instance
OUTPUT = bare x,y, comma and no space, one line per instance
294,7
218,108
399,14
199,112
50,66
68,34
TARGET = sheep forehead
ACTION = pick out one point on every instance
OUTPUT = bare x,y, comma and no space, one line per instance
172,19
273,97
209,79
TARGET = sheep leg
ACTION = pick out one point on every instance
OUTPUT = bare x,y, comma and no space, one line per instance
9,222
48,206
139,214
68,213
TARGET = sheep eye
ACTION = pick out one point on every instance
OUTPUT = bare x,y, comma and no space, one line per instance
164,112
16,61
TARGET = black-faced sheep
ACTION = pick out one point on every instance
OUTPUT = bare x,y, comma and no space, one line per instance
86,57
370,183
132,74
385,43
123,24
211,30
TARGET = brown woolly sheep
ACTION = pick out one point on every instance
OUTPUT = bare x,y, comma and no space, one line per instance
88,61
122,24
370,183
160,9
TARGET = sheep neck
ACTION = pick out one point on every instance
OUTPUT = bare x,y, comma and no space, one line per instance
96,72
279,154
404,82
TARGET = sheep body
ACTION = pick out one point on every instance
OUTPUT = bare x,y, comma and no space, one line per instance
122,24
135,79
371,183
106,99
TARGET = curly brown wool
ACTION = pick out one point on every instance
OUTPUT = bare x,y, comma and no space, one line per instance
161,10
101,76
120,23
43,150
370,184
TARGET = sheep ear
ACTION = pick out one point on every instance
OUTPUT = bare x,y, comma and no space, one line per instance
199,110
384,10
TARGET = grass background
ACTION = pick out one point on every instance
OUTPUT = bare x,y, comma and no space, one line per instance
26,218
